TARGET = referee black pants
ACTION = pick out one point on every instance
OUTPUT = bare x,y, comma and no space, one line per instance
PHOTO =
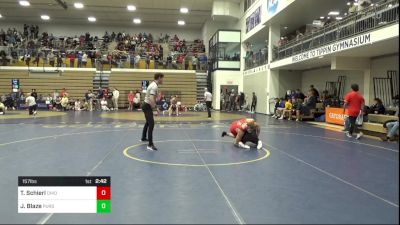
209,105
149,126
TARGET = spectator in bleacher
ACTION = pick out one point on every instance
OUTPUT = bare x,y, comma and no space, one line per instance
169,62
279,105
136,100
63,92
156,60
195,61
79,57
354,102
34,94
148,59
131,97
77,105
37,59
84,59
137,60
89,99
299,95
180,61
362,4
59,60
71,58
288,110
2,109
187,60
57,104
64,103
115,97
51,58
104,104
377,107
310,103
313,89
392,130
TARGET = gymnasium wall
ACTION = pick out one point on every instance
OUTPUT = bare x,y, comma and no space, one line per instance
319,77
289,80
256,82
71,30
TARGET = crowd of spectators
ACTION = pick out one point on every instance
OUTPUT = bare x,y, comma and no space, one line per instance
37,49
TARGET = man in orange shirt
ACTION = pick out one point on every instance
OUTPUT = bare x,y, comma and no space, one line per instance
354,102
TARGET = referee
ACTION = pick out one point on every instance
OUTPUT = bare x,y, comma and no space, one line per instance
149,104
208,100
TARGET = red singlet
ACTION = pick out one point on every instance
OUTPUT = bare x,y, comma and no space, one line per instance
241,124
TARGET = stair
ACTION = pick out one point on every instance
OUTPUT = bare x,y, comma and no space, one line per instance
101,79
201,79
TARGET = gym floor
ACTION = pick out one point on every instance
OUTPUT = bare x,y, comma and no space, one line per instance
305,174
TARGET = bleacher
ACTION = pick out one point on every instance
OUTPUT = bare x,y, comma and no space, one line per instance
374,126
182,83
76,82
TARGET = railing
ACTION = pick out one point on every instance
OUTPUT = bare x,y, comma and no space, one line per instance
381,14
253,61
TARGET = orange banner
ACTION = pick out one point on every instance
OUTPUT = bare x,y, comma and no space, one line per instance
334,115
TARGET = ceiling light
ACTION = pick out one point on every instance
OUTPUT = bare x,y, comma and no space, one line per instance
285,28
45,17
184,10
24,3
78,5
328,17
322,17
1,16
339,18
181,22
92,19
131,7
345,14
348,3
137,21
333,13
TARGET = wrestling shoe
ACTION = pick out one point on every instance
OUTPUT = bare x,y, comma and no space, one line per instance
241,145
151,148
224,134
259,145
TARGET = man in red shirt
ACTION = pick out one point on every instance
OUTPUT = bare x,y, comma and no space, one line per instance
354,102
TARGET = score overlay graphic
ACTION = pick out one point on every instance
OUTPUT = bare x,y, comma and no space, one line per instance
64,194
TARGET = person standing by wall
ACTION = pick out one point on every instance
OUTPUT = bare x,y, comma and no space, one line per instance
354,102
148,106
115,96
31,103
253,103
208,100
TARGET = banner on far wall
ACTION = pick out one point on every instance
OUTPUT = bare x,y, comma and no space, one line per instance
272,7
253,20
